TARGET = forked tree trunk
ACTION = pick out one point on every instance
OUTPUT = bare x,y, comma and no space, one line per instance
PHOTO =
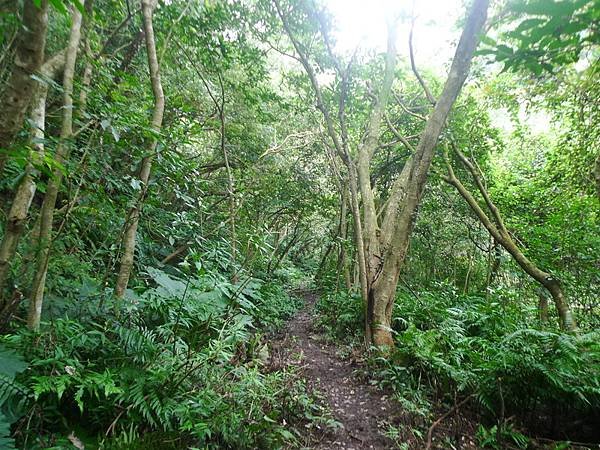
133,217
36,295
17,216
381,248
408,188
20,87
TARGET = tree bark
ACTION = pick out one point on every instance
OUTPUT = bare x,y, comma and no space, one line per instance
342,265
20,88
47,212
409,186
502,236
133,217
17,216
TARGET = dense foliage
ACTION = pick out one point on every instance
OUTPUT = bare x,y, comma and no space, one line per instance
174,174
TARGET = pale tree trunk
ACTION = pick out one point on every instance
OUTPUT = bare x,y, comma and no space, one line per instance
36,296
371,244
17,216
499,232
381,250
20,87
133,217
408,188
342,265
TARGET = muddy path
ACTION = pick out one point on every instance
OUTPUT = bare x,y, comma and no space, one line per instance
358,407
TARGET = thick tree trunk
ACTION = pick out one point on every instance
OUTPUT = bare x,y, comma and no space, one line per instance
15,223
365,154
17,215
47,212
133,217
409,186
380,251
20,88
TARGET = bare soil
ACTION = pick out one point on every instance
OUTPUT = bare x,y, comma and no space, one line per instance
357,406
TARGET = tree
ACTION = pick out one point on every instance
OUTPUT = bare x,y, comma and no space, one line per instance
382,244
18,91
17,216
44,243
133,216
501,235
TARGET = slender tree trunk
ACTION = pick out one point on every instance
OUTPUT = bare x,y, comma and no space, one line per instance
494,264
20,88
62,152
542,305
133,217
361,259
342,265
321,267
230,183
294,238
503,237
468,276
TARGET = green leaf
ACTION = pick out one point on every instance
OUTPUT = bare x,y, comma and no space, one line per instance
59,6
11,363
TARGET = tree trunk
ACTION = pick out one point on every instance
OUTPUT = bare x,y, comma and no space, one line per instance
26,188
230,182
503,237
380,251
20,87
133,217
408,188
597,176
342,265
494,264
47,212
543,305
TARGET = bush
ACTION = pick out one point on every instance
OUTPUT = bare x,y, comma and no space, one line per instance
177,359
341,314
493,348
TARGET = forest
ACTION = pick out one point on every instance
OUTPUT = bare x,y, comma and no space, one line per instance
299,224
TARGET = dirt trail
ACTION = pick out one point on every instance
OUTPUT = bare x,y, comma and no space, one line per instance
354,404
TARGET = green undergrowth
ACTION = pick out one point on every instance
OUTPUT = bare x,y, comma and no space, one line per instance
175,364
522,374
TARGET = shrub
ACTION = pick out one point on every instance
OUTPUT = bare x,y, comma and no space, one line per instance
174,358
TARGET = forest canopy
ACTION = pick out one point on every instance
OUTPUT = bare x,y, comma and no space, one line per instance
299,224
